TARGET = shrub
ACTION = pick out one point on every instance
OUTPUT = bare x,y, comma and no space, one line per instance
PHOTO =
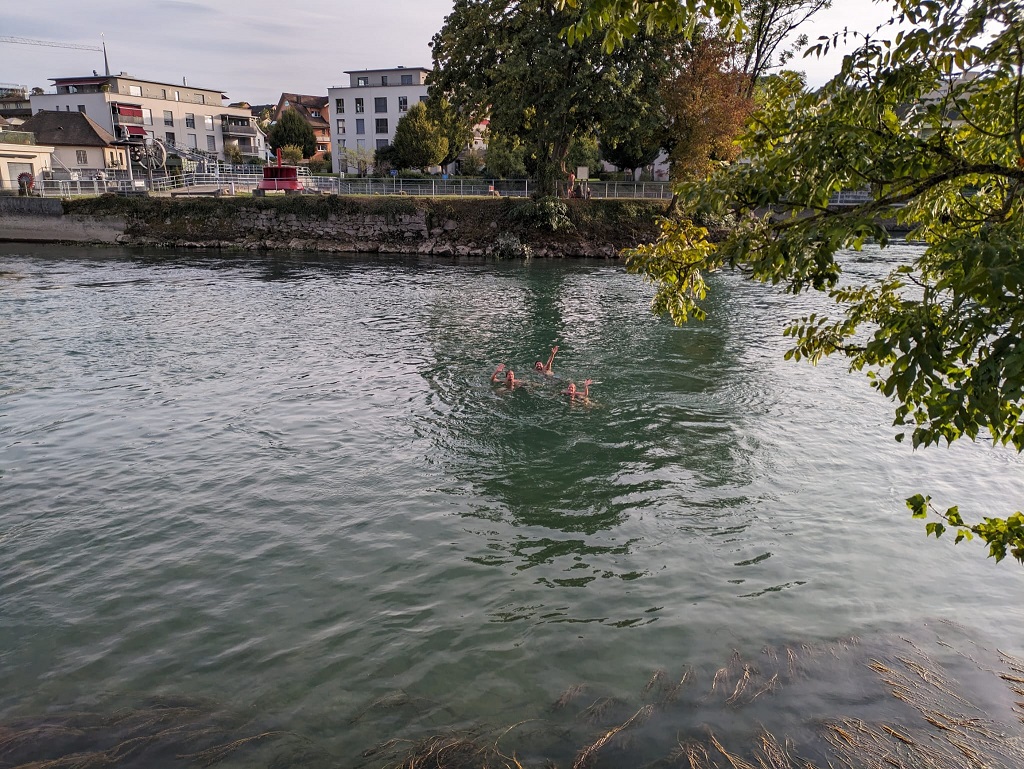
508,246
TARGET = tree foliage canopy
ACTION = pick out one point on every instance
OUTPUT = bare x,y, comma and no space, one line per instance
707,104
509,61
418,141
931,120
292,129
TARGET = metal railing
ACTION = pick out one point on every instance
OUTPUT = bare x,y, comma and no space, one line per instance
233,180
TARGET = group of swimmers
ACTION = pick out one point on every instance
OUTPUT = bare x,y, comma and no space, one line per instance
510,382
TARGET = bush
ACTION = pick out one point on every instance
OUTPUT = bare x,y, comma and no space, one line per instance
548,213
508,246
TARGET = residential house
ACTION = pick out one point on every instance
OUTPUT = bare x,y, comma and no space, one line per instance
364,113
313,110
81,145
185,118
14,103
19,154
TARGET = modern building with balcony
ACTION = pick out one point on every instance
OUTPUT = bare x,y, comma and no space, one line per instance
364,113
185,118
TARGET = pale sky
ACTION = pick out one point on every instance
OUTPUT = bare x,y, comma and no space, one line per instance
257,49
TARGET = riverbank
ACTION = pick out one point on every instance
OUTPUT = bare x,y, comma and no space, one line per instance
333,224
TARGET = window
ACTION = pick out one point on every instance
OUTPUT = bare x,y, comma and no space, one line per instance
199,98
208,122
169,137
380,104
135,90
192,141
361,81
190,120
211,143
403,103
423,98
341,125
147,116
177,96
163,93
81,108
359,105
82,157
383,79
406,79
361,144
382,143
341,144
169,117
314,113
360,125
382,125
339,106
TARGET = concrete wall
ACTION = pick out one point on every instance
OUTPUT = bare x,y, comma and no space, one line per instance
43,220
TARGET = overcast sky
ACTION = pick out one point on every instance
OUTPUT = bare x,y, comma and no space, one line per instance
255,50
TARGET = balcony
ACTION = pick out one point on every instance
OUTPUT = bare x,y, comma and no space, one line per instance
231,128
17,137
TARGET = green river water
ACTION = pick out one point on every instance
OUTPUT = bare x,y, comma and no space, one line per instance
282,492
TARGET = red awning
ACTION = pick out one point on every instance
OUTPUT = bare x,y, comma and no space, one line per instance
134,130
129,111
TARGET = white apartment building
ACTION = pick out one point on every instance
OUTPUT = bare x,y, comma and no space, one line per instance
364,113
181,116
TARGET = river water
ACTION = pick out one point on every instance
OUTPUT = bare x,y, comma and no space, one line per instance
286,486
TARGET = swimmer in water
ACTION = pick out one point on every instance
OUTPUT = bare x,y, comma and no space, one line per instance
509,382
575,396
545,368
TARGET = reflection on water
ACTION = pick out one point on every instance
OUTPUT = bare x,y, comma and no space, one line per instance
287,486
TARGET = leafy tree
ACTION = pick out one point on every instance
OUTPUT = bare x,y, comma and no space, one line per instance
455,126
505,157
418,140
930,121
584,152
384,160
294,130
328,160
472,163
233,152
637,142
707,105
768,24
359,157
509,61
291,154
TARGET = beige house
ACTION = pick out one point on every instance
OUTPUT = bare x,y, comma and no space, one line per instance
81,146
19,154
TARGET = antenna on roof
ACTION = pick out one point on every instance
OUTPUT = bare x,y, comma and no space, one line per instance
106,64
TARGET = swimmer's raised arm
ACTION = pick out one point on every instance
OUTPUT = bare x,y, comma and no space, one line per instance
545,368
498,370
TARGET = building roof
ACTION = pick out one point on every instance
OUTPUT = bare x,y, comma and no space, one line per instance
67,129
304,105
101,79
388,69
